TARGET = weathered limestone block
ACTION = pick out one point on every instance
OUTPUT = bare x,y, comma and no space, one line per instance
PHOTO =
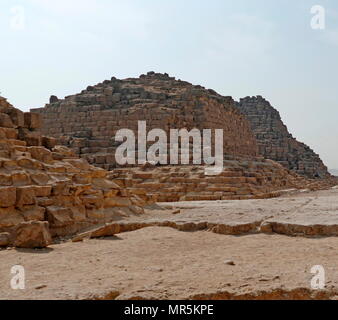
105,184
61,188
25,196
81,164
5,121
32,120
59,216
79,213
92,201
30,137
9,217
5,179
8,133
33,213
40,153
42,191
20,178
16,116
65,152
32,234
28,163
108,230
49,142
39,178
7,197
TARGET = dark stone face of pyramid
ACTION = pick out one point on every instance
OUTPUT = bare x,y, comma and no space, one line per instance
276,143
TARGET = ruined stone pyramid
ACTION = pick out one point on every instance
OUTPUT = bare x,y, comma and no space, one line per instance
88,121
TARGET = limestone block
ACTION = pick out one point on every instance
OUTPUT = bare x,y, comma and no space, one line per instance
10,217
25,195
40,178
40,153
5,179
42,191
49,142
5,121
33,234
31,138
16,116
32,120
20,178
7,197
33,213
59,216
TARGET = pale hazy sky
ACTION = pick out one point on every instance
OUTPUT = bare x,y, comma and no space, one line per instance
237,47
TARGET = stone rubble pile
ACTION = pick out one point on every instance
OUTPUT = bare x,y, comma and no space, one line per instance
241,179
46,191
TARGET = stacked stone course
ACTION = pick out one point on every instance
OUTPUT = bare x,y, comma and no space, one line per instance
46,191
240,179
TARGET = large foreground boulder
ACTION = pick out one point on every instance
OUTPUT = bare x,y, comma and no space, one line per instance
32,234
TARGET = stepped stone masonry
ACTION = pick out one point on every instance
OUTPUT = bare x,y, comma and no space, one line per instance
276,143
46,191
240,180
87,122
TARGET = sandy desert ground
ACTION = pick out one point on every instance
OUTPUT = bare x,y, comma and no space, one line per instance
254,249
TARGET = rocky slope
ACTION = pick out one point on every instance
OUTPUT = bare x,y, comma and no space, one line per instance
241,179
45,190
